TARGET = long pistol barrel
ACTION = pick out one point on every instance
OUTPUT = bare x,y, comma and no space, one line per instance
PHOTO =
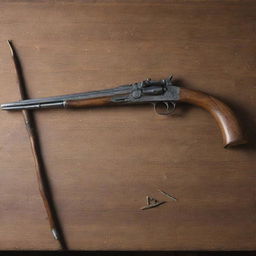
60,101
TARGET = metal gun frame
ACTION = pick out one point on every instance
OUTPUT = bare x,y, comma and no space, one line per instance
147,91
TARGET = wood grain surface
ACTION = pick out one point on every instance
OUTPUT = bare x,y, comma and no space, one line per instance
103,162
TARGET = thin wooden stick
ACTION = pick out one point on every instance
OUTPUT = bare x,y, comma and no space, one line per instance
43,183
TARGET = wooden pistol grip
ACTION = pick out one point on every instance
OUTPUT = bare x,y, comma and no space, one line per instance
231,131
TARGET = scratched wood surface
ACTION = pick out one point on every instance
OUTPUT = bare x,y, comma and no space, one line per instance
102,163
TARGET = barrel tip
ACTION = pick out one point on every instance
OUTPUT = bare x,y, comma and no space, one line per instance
3,106
8,106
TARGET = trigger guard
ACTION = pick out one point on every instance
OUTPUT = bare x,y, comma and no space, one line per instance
167,105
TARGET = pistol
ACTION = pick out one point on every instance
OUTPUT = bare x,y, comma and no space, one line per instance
162,94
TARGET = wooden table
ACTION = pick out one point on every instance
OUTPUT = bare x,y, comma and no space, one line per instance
103,162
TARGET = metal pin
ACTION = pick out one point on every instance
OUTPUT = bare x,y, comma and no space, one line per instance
148,200
168,195
152,205
55,234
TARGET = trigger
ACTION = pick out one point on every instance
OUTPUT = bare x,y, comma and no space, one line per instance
173,107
